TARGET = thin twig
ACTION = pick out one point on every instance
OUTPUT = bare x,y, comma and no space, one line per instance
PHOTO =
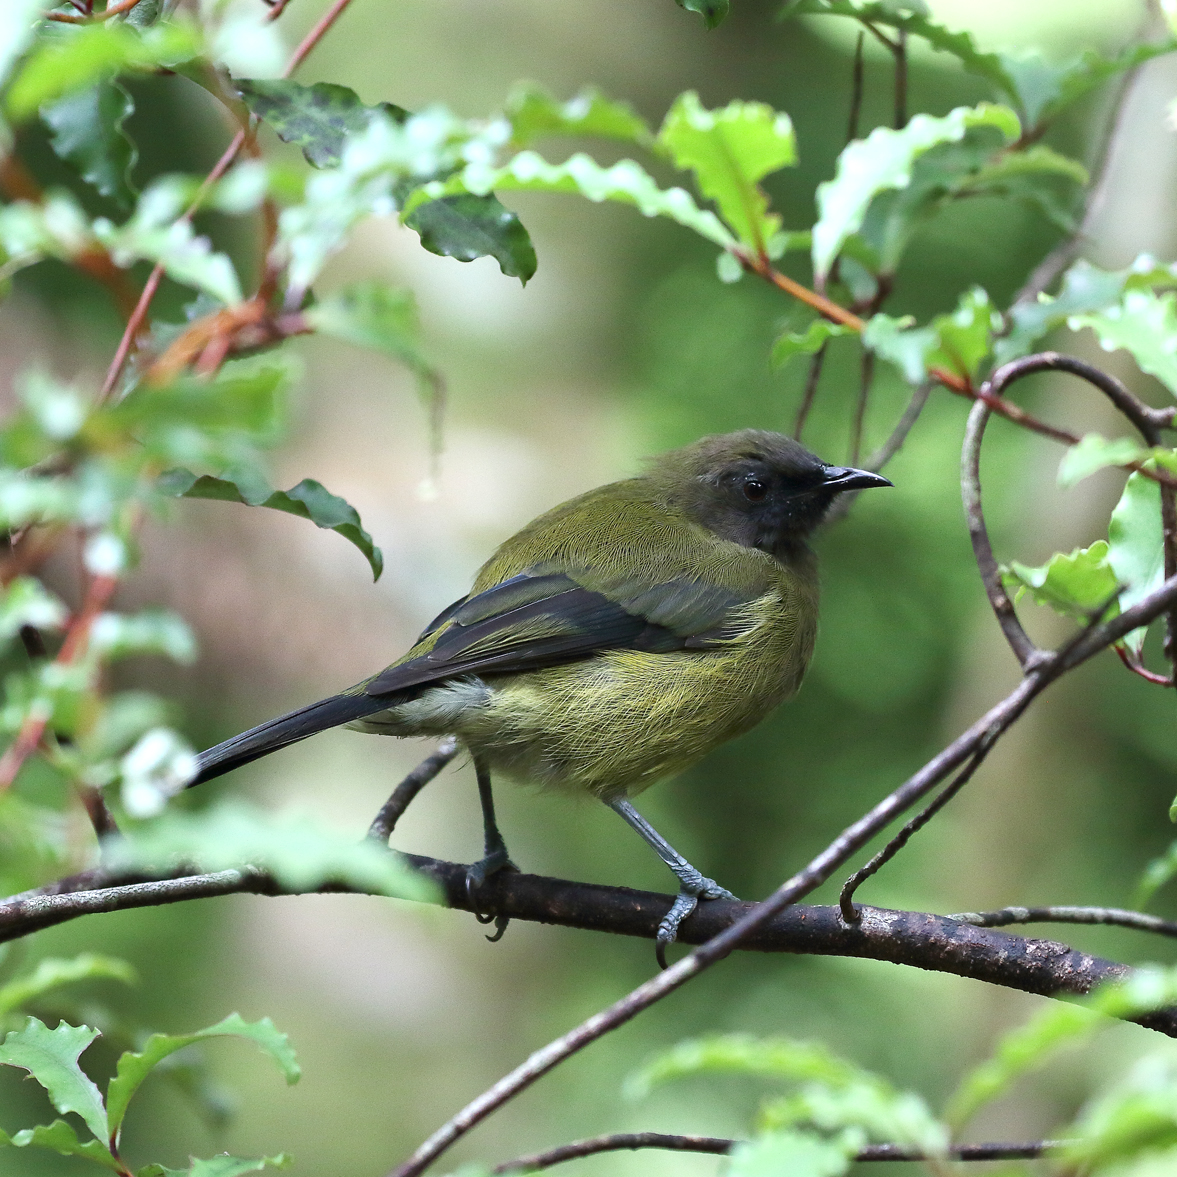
402,796
314,36
900,53
897,843
763,268
115,9
721,1146
816,361
866,379
894,443
990,727
1116,916
857,78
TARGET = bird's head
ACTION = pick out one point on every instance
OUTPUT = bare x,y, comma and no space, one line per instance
759,489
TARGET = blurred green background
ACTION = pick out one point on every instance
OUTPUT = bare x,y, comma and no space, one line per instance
625,344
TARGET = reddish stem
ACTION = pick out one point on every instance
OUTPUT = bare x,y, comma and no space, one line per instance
1161,680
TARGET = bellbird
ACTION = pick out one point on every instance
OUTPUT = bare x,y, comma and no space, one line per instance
614,640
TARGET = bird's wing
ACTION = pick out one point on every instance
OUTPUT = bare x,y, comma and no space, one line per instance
540,618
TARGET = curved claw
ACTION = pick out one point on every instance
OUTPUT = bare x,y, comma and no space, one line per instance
476,874
685,902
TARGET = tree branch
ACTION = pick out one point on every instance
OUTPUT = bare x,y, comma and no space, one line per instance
1115,916
721,1146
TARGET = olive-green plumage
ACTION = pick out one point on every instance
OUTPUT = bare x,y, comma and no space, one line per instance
616,639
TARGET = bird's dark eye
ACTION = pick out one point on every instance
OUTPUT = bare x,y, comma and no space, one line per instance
755,490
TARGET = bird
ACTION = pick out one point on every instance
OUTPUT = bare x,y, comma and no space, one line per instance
613,641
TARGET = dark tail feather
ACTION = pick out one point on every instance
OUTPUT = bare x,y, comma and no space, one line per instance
286,729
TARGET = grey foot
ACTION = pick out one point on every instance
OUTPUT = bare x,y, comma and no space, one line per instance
476,874
693,888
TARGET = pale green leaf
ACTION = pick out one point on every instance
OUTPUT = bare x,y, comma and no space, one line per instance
1156,874
964,337
18,19
901,343
222,1165
1074,584
1143,323
153,631
804,343
135,1066
300,852
26,601
1093,453
51,1057
1020,1051
53,972
730,150
712,11
1135,550
80,55
626,182
797,1154
60,1137
885,160
534,113
160,765
308,500
89,134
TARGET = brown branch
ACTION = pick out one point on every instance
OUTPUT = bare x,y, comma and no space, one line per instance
763,268
816,362
1115,916
987,729
856,89
866,379
721,1146
402,796
916,939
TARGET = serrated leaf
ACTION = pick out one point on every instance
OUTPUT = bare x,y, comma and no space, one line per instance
88,133
81,55
467,227
804,343
316,118
134,1067
1144,324
730,150
1136,552
60,1137
222,1165
914,18
626,182
53,972
965,337
299,852
1093,453
51,1057
901,343
713,12
885,160
1039,177
1074,584
798,1154
1019,1051
308,500
533,113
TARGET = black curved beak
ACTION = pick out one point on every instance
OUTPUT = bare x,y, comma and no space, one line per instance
848,478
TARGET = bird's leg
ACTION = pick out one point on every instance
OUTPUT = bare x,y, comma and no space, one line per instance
495,857
692,884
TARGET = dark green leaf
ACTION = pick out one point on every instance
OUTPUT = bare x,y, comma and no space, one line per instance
60,1137
317,118
468,227
308,500
1039,177
712,11
88,134
134,1067
51,1057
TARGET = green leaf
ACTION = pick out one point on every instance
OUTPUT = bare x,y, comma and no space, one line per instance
153,631
804,343
914,18
467,227
88,133
222,1165
798,1154
158,767
1144,324
80,55
308,500
53,972
299,852
1037,176
134,1067
1093,453
26,601
533,113
1019,1051
51,1057
730,150
61,1137
18,20
1156,874
963,338
626,182
713,12
1073,585
901,343
1135,549
317,118
886,160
